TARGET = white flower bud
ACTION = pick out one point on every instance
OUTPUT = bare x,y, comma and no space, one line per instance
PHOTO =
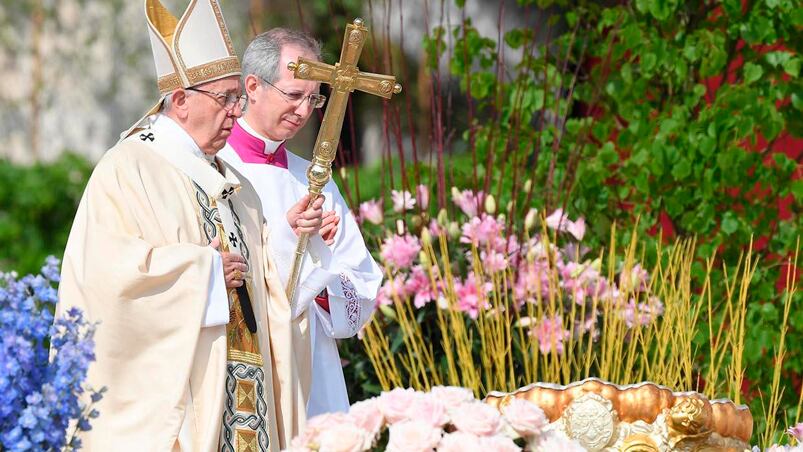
490,205
529,219
528,184
423,258
426,237
443,217
454,230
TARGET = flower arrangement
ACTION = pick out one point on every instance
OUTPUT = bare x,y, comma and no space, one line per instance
41,398
490,258
447,418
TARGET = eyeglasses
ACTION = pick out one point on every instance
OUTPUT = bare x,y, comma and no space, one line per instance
315,100
229,100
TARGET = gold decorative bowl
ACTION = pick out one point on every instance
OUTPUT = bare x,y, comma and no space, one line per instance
603,416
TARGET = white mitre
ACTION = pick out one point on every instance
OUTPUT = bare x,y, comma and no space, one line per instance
189,51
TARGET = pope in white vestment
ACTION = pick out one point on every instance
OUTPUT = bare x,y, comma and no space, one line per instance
343,270
196,342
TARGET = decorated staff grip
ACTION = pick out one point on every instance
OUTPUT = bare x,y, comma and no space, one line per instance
344,78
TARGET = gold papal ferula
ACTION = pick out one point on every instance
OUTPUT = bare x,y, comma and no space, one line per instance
643,417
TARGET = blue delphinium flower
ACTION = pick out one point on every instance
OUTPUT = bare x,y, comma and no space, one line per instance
41,395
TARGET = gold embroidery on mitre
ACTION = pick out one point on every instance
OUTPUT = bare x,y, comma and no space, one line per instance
246,441
176,48
168,83
213,71
222,24
169,28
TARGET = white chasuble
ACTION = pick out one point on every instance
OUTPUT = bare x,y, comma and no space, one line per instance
346,269
138,262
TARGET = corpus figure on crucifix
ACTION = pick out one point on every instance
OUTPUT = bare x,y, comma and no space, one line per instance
337,279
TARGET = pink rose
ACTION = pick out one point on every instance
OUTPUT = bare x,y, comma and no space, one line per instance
345,437
368,416
460,442
451,396
477,418
395,405
498,443
430,410
413,436
524,417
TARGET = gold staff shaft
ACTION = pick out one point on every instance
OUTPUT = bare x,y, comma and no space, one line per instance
344,77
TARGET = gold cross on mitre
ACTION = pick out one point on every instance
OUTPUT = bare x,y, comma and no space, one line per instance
344,77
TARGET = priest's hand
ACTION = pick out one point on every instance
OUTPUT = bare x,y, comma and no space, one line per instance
234,267
306,220
329,227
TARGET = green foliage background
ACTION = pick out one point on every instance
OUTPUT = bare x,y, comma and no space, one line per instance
642,128
37,205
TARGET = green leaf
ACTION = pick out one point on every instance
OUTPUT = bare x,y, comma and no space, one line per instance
627,73
797,101
713,43
571,19
792,66
607,154
642,5
661,9
752,72
707,146
648,62
796,18
514,38
729,223
777,58
681,170
797,190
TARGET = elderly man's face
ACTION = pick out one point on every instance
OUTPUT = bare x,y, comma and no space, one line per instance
270,111
209,122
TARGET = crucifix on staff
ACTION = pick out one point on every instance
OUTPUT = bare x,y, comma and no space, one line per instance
344,78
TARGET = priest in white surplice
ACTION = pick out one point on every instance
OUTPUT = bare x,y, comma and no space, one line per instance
339,279
169,252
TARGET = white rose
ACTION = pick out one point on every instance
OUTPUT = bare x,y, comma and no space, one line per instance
413,436
460,442
429,409
477,418
525,417
395,404
452,396
368,415
498,443
343,438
